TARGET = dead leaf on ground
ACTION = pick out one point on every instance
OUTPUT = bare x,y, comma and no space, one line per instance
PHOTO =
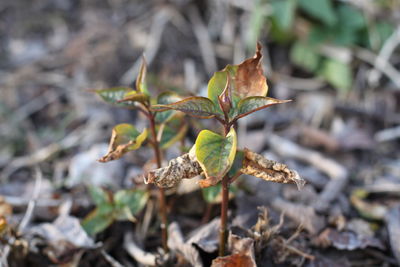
346,240
393,226
65,239
301,214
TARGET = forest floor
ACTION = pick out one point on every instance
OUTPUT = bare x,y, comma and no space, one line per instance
53,130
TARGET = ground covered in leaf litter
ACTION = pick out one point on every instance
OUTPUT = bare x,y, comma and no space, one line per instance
53,131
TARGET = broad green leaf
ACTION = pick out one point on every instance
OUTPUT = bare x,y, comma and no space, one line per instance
115,94
320,9
284,13
124,138
134,96
305,56
99,195
133,200
96,222
254,103
171,135
165,99
338,74
215,154
196,106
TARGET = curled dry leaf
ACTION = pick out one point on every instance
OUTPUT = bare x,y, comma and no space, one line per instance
124,138
183,167
256,165
249,79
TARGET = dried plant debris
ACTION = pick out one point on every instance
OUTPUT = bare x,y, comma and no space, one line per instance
393,226
301,214
203,239
187,166
346,240
256,165
65,239
183,167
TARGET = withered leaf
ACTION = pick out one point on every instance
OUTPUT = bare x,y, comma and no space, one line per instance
250,79
234,260
124,138
183,167
256,165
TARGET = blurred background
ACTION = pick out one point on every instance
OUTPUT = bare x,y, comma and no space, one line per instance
339,60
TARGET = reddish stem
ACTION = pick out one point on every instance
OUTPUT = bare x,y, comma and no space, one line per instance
161,192
224,207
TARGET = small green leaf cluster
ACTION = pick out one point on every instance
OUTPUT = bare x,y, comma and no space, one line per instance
125,137
234,92
122,205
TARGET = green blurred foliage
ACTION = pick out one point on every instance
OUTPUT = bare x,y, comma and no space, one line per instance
322,22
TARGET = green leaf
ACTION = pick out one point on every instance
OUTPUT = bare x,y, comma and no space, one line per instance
134,200
124,138
284,12
338,74
196,106
211,193
320,9
99,195
254,103
141,85
171,135
304,56
115,94
96,222
237,163
217,83
215,154
166,98
351,18
134,96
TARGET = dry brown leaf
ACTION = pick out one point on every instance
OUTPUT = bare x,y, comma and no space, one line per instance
183,167
234,260
249,79
124,138
256,165
116,152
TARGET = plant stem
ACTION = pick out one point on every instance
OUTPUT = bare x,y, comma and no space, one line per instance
161,192
224,215
224,207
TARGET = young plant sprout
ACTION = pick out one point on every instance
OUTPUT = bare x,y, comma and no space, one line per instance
165,129
233,93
